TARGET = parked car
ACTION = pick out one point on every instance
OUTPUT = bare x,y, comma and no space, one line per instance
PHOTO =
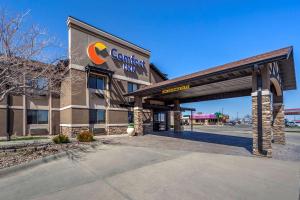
292,124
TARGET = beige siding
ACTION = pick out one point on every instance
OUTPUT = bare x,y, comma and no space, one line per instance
117,117
80,116
3,122
154,77
16,122
55,122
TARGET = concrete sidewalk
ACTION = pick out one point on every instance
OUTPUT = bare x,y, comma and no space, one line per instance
126,172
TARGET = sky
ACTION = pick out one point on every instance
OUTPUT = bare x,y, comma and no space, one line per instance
184,36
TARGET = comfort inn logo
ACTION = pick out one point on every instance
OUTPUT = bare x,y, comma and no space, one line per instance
129,62
93,51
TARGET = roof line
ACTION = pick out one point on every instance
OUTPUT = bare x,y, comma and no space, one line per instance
74,18
246,62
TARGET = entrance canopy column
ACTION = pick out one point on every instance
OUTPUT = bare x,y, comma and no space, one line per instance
138,115
278,120
261,111
177,116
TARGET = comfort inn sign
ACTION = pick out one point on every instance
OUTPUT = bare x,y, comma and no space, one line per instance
175,89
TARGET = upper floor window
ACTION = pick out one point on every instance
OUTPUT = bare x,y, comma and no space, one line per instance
97,116
96,82
132,87
40,83
37,117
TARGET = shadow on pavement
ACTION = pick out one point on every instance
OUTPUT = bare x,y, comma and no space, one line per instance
229,140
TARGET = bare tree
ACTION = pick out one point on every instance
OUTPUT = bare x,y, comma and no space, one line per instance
21,50
25,65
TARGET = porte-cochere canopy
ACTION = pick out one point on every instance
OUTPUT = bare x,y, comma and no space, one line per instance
264,77
229,80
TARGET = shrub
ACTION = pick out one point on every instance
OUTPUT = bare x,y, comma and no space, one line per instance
131,125
61,138
85,136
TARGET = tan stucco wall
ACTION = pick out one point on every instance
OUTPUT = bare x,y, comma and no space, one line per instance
16,101
78,87
55,122
80,39
16,122
117,117
96,100
55,102
119,87
3,122
66,116
154,77
80,116
34,102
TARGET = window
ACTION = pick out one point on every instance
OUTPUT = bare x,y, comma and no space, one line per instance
40,83
96,82
97,116
132,87
37,117
130,117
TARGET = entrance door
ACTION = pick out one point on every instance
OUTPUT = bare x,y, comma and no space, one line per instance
160,121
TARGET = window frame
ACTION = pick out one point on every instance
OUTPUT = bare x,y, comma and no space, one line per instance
36,115
97,120
132,84
97,80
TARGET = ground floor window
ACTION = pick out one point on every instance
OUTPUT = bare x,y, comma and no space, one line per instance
37,117
97,116
130,117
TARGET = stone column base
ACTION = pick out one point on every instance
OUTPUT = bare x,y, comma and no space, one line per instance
177,120
72,131
266,148
116,130
278,124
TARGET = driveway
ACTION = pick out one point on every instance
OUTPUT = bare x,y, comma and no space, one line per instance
157,167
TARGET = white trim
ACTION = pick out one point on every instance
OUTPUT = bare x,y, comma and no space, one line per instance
138,108
16,107
73,106
263,92
97,107
124,78
74,125
37,107
120,109
55,109
147,124
78,67
117,124
98,126
38,126
3,106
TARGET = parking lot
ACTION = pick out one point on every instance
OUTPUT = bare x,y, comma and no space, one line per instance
212,163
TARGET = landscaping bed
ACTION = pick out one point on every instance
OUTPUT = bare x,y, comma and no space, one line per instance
11,155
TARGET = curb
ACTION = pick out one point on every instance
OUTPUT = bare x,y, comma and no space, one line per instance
13,169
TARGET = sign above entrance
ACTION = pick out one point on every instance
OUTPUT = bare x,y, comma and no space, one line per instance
175,89
129,63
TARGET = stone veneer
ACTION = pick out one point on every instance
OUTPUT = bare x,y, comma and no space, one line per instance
177,120
73,131
266,126
278,123
116,130
138,121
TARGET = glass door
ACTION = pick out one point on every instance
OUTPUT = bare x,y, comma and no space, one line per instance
160,121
